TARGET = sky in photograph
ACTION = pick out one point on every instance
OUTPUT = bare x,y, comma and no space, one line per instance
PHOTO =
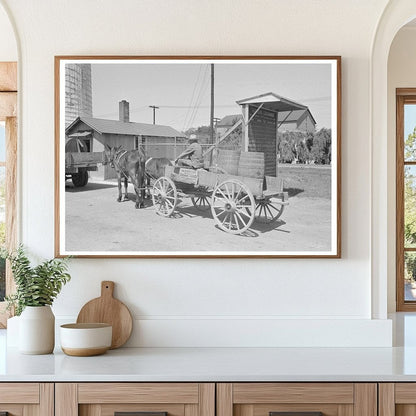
182,91
409,119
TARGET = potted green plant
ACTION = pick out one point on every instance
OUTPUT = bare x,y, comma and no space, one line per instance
36,289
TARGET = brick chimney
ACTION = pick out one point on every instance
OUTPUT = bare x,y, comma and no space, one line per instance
123,111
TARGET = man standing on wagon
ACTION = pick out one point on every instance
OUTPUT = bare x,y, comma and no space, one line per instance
192,155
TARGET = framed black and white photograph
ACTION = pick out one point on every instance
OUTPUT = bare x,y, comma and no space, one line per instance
198,156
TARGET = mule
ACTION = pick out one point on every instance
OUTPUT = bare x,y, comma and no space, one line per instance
155,168
129,165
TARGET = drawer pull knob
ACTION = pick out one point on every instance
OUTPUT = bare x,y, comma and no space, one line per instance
140,414
295,413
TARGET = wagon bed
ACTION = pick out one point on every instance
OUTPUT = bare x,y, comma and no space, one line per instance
235,201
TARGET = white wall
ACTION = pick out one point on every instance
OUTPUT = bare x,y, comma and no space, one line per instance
401,74
8,47
203,302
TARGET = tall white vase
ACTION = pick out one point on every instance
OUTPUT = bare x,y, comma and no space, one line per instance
37,330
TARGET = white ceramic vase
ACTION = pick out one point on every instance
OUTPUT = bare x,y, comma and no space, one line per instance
37,330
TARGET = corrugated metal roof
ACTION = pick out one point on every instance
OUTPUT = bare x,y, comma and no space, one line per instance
273,102
131,129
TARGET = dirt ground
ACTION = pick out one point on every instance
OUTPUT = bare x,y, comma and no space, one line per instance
95,221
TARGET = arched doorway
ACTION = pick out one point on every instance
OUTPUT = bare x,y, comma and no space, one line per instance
396,15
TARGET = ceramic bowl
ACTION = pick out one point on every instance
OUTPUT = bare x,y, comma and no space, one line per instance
83,340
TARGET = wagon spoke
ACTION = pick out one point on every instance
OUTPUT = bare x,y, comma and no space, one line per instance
230,195
168,202
229,224
240,218
166,186
201,202
224,222
223,211
267,208
242,199
222,193
243,206
243,212
226,192
272,206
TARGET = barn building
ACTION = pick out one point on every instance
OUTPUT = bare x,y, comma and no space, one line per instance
296,120
157,140
226,123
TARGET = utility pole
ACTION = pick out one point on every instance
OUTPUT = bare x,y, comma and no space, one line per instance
154,112
216,120
212,106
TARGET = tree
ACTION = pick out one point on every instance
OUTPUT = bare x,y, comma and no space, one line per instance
321,147
410,146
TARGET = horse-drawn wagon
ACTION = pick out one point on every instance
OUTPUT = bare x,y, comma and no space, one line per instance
235,201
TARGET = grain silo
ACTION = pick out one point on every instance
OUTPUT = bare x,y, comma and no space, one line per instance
78,92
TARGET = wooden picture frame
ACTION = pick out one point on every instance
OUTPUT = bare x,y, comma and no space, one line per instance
8,116
257,138
405,301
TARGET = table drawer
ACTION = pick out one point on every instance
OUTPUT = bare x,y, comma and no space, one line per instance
21,399
297,399
144,399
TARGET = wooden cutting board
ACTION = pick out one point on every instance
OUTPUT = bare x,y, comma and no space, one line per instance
107,309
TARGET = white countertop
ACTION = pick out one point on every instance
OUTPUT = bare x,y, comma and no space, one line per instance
215,364
222,364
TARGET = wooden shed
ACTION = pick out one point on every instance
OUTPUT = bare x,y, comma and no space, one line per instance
261,122
157,140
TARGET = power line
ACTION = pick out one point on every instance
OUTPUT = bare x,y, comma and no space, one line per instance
196,101
192,96
201,106
201,94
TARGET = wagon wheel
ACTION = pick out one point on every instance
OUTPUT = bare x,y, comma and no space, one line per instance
164,196
201,200
268,211
233,206
80,179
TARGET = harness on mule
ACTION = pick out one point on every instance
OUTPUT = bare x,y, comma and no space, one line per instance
116,162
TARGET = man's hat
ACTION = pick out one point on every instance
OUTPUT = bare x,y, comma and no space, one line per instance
193,138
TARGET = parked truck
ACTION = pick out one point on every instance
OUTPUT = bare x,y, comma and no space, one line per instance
79,161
